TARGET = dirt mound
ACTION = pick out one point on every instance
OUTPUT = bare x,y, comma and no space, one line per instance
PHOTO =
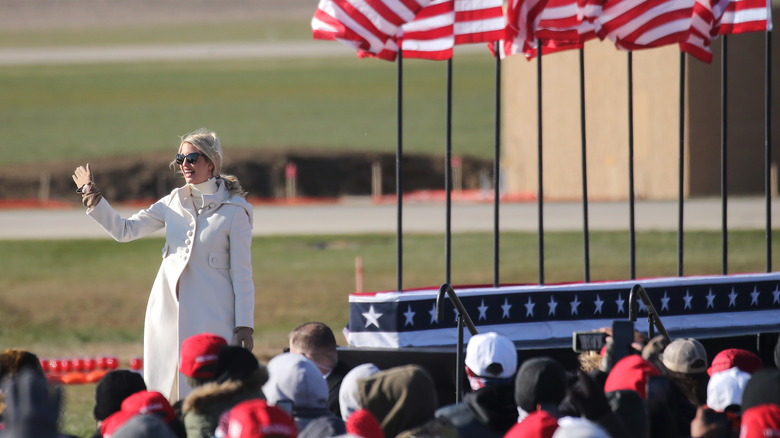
264,174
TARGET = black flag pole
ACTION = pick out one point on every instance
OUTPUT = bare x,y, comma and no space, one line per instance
497,169
448,179
768,147
681,168
723,156
540,160
631,229
583,142
399,172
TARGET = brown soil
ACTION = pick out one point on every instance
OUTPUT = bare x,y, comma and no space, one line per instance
320,174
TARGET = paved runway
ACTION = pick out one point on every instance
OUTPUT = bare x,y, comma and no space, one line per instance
360,216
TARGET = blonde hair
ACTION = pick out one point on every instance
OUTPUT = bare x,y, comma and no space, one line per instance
207,143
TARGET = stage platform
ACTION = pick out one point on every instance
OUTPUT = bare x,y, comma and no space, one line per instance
397,328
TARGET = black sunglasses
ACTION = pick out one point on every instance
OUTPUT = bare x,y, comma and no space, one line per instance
191,158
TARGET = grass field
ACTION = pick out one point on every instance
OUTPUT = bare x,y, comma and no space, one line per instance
57,112
87,297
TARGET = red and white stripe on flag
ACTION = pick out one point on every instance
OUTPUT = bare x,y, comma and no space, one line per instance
640,24
522,18
441,25
741,16
566,25
363,24
431,35
719,17
479,21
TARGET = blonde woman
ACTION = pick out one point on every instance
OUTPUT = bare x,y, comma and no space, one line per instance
204,283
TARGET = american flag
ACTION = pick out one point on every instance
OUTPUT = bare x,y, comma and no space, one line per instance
640,24
363,24
546,316
430,33
721,17
630,24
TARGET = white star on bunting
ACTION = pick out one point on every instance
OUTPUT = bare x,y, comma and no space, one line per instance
529,307
552,305
665,302
710,300
687,299
733,298
409,316
620,301
482,311
505,308
599,302
754,296
372,317
574,306
433,314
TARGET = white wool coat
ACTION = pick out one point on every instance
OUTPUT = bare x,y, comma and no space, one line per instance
207,258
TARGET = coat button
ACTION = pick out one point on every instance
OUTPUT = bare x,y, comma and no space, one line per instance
189,233
212,205
187,242
186,250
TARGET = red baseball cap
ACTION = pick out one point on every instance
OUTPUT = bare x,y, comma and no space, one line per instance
142,402
197,351
257,419
761,421
631,372
735,357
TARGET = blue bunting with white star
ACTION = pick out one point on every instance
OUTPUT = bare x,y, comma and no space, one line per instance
546,316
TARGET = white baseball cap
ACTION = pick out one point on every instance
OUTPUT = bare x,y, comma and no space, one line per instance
491,348
725,388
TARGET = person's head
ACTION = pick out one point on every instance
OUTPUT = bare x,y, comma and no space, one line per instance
576,427
112,389
725,388
198,357
256,418
686,363
401,398
348,391
13,360
761,421
631,372
540,383
315,341
294,378
143,403
685,355
200,158
491,358
539,424
237,364
762,388
735,357
144,426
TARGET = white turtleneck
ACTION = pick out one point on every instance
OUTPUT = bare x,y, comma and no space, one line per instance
208,187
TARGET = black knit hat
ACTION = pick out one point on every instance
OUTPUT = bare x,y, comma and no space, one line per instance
762,388
539,381
113,389
235,363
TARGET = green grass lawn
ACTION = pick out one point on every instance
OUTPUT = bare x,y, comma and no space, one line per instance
58,112
87,297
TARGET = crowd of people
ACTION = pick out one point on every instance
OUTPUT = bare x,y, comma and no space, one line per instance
654,388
